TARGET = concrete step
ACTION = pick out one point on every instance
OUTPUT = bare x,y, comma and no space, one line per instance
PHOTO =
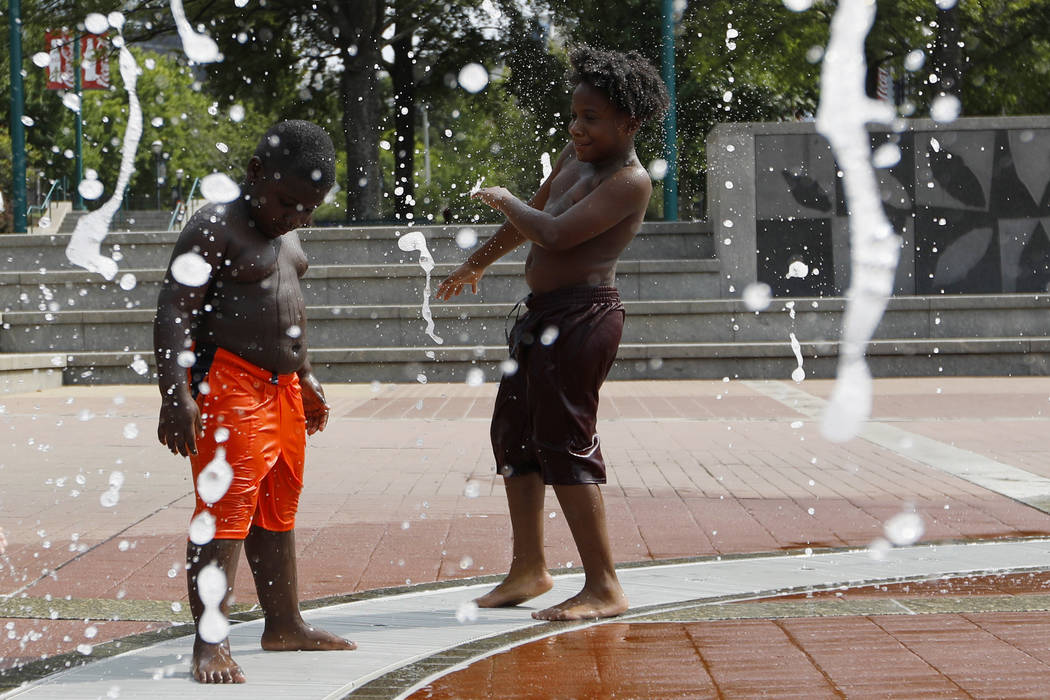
887,358
22,372
340,284
376,245
815,320
146,220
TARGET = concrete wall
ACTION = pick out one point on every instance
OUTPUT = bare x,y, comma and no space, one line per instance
970,200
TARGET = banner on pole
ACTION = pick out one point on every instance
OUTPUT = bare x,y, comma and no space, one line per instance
60,68
94,61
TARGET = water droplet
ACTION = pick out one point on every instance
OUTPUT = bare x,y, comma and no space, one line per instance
237,113
186,359
191,270
914,60
28,120
945,108
466,562
219,188
215,479
467,612
202,528
222,434
466,238
549,335
72,101
798,5
472,489
131,431
886,156
904,528
475,377
658,169
757,296
473,77
797,269
294,331
140,366
91,632
96,23
127,281
42,59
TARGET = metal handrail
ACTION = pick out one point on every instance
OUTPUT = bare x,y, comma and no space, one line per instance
183,204
46,203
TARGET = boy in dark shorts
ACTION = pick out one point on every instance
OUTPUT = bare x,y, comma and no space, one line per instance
231,306
543,424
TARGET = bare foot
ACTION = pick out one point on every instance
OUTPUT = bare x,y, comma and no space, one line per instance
585,605
303,637
212,663
515,590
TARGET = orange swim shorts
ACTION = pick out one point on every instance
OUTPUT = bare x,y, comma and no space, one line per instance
257,418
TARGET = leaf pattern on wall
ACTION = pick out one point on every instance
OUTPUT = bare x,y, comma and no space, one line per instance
961,256
806,191
956,178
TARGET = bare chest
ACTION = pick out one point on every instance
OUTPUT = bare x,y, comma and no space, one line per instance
258,261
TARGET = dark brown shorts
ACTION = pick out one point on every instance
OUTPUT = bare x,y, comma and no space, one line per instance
546,411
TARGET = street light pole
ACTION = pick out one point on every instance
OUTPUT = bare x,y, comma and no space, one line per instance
78,153
18,129
670,120
156,147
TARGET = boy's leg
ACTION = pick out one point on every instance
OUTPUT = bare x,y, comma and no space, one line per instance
528,576
212,663
271,556
602,596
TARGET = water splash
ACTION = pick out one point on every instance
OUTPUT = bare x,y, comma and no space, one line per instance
798,374
211,587
415,240
545,167
199,48
84,247
842,117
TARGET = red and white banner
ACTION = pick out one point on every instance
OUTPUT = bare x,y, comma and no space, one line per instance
60,70
94,62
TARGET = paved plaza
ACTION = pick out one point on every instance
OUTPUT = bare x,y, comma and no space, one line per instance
750,548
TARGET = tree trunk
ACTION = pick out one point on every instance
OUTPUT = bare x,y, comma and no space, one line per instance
357,88
358,24
403,77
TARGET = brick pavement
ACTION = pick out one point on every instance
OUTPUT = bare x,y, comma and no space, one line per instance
697,468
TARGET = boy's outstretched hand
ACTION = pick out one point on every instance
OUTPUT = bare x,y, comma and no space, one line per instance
314,405
180,424
493,196
462,275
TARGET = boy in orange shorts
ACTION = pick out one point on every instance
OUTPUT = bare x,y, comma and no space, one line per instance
231,308
543,424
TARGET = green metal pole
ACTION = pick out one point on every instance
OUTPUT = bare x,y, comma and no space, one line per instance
670,120
18,129
78,200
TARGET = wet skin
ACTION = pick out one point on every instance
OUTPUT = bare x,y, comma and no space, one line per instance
578,222
250,301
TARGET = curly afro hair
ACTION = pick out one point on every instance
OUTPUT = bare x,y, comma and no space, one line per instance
629,79
300,149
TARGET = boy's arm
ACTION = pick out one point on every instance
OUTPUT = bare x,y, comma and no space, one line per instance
314,404
624,194
178,307
506,239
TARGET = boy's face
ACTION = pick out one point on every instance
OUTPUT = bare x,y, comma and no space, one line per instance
280,204
599,129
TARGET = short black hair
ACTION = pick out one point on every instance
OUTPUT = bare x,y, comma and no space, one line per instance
629,79
299,149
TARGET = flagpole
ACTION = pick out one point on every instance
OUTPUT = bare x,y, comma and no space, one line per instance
18,129
78,199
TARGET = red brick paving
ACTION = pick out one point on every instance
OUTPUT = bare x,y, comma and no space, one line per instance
696,468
